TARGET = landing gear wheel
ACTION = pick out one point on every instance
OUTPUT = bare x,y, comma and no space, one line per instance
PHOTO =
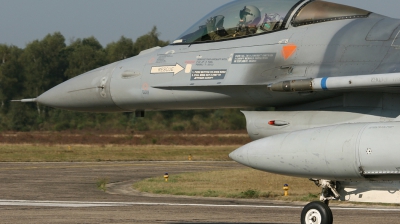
316,213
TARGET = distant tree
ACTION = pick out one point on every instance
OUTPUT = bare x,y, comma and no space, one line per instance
148,41
44,64
11,75
21,117
122,49
84,55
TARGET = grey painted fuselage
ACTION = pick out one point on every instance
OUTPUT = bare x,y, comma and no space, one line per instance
329,49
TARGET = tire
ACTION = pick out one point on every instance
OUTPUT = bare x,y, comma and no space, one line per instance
316,213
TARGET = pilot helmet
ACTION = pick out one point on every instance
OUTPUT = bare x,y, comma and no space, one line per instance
250,15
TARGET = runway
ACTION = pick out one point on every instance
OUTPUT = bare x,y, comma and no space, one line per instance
67,193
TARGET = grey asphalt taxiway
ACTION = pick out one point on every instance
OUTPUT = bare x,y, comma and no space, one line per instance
67,193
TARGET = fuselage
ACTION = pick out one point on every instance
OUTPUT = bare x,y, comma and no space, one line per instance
235,73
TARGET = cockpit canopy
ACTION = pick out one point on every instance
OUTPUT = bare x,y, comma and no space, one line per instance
246,18
321,11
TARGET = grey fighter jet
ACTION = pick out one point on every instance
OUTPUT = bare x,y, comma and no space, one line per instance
331,71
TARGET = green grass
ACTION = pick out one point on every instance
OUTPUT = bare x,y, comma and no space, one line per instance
101,183
236,183
93,153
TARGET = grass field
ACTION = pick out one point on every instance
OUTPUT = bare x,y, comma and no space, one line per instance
126,138
238,183
93,153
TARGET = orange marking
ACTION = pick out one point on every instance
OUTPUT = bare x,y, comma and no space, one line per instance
190,62
145,86
288,51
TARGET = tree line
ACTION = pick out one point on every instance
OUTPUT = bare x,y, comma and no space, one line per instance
43,64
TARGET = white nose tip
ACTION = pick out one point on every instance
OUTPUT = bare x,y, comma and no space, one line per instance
240,155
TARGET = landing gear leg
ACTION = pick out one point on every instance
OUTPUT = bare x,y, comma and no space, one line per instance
318,212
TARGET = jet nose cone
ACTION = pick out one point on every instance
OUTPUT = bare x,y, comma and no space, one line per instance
87,92
240,155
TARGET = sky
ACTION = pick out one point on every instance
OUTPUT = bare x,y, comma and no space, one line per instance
23,21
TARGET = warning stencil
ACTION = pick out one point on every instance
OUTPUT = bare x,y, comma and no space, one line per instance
208,74
251,58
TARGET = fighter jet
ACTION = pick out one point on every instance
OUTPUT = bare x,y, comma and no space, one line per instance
331,71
